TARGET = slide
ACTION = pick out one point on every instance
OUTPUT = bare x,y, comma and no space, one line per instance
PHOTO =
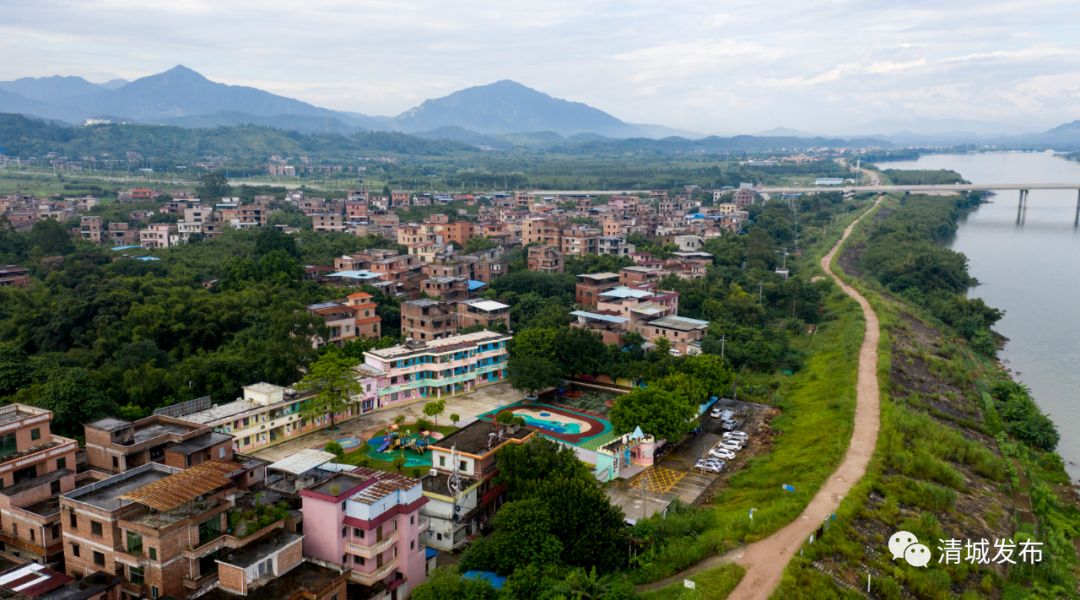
385,445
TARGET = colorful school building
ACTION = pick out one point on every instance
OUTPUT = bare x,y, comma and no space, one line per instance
435,368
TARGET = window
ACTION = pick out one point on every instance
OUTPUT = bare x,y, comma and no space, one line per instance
461,465
209,530
154,592
54,487
412,545
412,519
135,575
73,520
7,444
61,463
75,550
442,461
358,533
33,535
152,552
99,559
35,434
115,462
344,531
358,560
95,528
134,543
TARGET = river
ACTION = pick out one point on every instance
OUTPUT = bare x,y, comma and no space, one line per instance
1031,271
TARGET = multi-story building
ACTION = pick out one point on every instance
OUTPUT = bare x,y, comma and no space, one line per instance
268,414
164,530
370,523
590,285
546,232
120,234
92,229
14,276
158,235
636,275
449,289
425,319
639,305
461,492
685,334
436,368
614,245
488,314
327,222
245,216
244,574
546,259
580,241
35,467
368,323
340,322
115,445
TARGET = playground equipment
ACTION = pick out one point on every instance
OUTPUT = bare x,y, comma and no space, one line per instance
397,441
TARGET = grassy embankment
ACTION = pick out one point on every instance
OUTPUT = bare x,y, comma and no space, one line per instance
944,468
810,436
714,584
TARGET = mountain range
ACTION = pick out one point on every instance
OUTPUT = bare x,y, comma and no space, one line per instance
183,97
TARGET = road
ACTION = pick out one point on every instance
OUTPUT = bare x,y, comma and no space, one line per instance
766,559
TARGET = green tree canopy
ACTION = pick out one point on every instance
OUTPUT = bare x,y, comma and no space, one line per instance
334,382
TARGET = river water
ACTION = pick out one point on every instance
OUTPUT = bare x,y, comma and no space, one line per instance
1031,271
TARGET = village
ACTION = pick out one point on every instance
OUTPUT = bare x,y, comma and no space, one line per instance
218,498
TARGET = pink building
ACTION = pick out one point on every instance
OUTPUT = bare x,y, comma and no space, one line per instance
369,523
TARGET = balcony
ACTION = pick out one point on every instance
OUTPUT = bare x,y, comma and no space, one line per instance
374,550
378,575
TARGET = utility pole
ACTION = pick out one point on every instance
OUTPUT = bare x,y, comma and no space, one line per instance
723,342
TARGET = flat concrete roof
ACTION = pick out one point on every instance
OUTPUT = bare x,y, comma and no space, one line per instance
105,494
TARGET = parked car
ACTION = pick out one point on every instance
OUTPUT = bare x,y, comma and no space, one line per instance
721,452
733,445
737,435
729,425
715,413
710,466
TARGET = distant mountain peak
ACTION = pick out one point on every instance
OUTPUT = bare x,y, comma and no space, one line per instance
180,72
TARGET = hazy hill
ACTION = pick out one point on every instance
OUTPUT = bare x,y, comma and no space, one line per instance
509,107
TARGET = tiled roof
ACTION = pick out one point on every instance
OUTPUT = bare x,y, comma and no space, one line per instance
183,487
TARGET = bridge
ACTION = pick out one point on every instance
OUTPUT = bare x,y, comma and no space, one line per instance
938,188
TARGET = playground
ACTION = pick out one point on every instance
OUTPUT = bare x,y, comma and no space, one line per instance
414,446
559,422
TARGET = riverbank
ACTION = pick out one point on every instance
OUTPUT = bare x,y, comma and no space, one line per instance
949,465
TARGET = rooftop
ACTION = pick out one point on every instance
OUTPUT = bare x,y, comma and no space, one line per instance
109,424
598,316
680,323
447,344
32,580
305,577
180,488
624,292
480,437
200,443
107,494
382,484
303,461
18,412
598,276
252,553
487,305
361,275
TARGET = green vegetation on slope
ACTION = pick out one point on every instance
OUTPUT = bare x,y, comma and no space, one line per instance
946,465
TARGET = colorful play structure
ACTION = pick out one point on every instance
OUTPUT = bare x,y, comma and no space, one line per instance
394,440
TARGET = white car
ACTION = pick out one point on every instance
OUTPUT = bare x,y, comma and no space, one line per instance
735,435
733,445
723,453
710,467
716,413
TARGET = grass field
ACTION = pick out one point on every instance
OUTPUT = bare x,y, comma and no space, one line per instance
714,584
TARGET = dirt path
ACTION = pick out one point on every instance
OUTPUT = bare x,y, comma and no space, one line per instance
766,559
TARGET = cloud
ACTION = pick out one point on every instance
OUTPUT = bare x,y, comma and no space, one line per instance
740,65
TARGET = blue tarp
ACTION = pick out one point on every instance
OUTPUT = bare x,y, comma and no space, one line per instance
430,553
119,248
147,258
488,576
475,285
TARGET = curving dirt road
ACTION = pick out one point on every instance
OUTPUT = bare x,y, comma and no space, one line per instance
766,559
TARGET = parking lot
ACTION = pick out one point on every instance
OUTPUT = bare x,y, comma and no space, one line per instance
674,476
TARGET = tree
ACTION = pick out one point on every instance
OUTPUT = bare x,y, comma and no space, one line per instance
334,382
659,412
13,371
454,418
73,398
531,373
445,583
335,448
213,186
434,409
479,244
522,536
48,237
399,462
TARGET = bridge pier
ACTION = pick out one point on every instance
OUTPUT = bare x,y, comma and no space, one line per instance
1021,207
1076,220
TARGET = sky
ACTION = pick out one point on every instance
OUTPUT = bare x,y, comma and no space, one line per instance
735,66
